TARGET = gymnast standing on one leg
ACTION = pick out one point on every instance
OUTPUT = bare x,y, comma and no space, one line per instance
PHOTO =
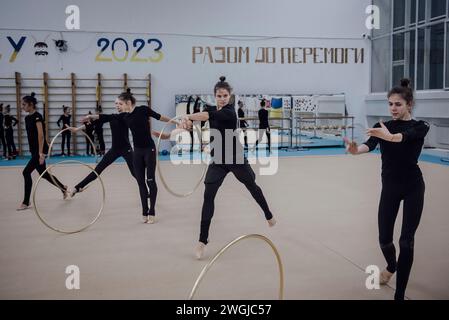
121,146
144,160
401,141
35,127
223,120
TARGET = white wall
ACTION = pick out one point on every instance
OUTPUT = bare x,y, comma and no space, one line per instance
343,19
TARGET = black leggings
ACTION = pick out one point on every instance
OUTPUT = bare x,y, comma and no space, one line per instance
66,135
413,196
2,138
145,160
32,165
108,159
260,134
10,141
215,175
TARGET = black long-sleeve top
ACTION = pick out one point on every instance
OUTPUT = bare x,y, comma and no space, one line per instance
65,121
119,130
263,119
138,122
400,160
10,121
224,122
241,114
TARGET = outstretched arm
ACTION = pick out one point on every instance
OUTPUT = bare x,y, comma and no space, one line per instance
74,129
354,149
158,134
384,134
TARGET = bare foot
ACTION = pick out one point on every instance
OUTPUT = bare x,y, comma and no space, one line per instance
151,219
23,207
385,277
272,222
74,191
199,251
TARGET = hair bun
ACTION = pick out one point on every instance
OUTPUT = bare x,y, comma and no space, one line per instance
128,90
33,94
222,79
405,83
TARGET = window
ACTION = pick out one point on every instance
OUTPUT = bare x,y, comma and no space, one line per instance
411,50
438,8
398,47
421,10
398,14
403,56
436,56
421,57
412,12
416,45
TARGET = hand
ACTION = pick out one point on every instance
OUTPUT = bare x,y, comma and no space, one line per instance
41,158
186,123
381,133
351,146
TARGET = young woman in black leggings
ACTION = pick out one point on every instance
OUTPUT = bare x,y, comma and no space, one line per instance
10,123
2,132
35,127
401,141
66,135
223,122
144,161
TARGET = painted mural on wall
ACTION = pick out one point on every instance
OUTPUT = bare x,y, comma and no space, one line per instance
109,49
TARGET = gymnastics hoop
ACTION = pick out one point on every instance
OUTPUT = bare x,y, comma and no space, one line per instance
174,193
60,230
225,248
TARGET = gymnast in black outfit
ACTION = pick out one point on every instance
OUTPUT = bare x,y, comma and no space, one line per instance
66,135
2,132
401,141
144,160
10,123
223,121
35,127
